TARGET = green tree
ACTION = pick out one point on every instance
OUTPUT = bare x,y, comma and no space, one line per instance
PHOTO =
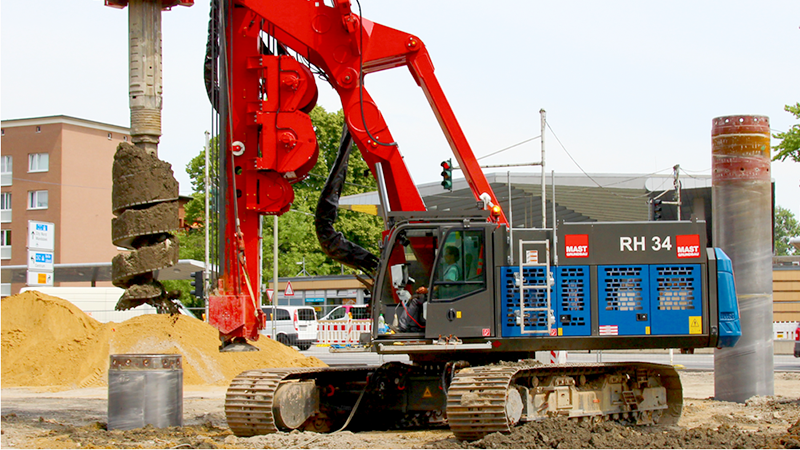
789,147
192,242
192,246
786,227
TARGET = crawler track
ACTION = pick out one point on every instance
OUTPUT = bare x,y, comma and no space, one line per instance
481,401
250,406
476,401
249,400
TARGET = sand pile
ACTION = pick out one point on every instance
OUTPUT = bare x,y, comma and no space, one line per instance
48,342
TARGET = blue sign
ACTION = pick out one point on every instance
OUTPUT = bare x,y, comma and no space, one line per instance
315,300
45,258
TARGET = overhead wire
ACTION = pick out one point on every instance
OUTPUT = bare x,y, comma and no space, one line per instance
570,155
509,147
607,186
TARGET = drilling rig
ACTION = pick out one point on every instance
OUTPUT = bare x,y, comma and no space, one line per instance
479,297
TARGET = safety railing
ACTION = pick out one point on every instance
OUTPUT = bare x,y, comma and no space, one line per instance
342,332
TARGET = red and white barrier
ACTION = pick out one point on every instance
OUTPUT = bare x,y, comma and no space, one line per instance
552,357
784,331
342,332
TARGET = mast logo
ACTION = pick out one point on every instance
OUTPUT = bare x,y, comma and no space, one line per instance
688,245
576,245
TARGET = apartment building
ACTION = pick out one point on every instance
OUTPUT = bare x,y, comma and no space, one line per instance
57,169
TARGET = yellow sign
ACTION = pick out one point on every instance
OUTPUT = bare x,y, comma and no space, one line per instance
646,330
427,393
42,278
560,331
695,325
458,314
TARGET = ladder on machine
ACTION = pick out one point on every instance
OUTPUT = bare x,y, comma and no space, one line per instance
525,311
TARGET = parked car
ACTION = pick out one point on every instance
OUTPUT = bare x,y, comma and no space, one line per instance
294,325
342,312
797,341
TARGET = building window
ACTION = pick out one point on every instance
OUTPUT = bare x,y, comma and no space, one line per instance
5,244
109,136
38,129
6,169
125,138
38,162
37,199
5,207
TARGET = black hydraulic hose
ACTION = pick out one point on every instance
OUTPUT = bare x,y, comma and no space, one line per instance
333,242
212,53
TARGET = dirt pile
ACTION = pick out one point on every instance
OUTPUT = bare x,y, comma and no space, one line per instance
48,342
792,437
761,422
564,433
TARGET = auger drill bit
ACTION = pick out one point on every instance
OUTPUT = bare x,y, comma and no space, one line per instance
145,192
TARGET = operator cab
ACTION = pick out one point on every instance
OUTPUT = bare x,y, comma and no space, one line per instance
433,280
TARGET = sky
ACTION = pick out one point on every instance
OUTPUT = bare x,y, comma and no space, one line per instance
629,87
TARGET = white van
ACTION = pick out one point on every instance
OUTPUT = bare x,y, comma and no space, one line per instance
294,325
343,312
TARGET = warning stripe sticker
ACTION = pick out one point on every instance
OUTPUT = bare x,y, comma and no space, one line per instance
609,330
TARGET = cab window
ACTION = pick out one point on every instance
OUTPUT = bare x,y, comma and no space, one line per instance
459,266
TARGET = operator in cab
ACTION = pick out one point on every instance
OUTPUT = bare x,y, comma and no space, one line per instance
452,271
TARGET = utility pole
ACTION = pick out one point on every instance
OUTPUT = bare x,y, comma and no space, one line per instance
544,199
274,271
677,185
207,224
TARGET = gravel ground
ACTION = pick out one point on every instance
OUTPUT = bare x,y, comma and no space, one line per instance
77,419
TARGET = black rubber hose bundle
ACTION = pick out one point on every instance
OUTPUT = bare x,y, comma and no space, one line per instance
333,242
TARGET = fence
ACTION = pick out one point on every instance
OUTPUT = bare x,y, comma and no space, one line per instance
342,332
784,330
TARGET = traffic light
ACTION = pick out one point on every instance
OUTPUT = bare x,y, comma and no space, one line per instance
447,174
197,284
657,207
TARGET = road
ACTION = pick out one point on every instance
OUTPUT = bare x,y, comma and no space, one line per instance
698,361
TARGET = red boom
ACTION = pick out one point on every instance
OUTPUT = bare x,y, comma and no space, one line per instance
271,139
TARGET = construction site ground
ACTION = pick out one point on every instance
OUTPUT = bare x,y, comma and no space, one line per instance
77,419
54,395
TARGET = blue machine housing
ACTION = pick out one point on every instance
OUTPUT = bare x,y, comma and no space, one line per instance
730,329
631,300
